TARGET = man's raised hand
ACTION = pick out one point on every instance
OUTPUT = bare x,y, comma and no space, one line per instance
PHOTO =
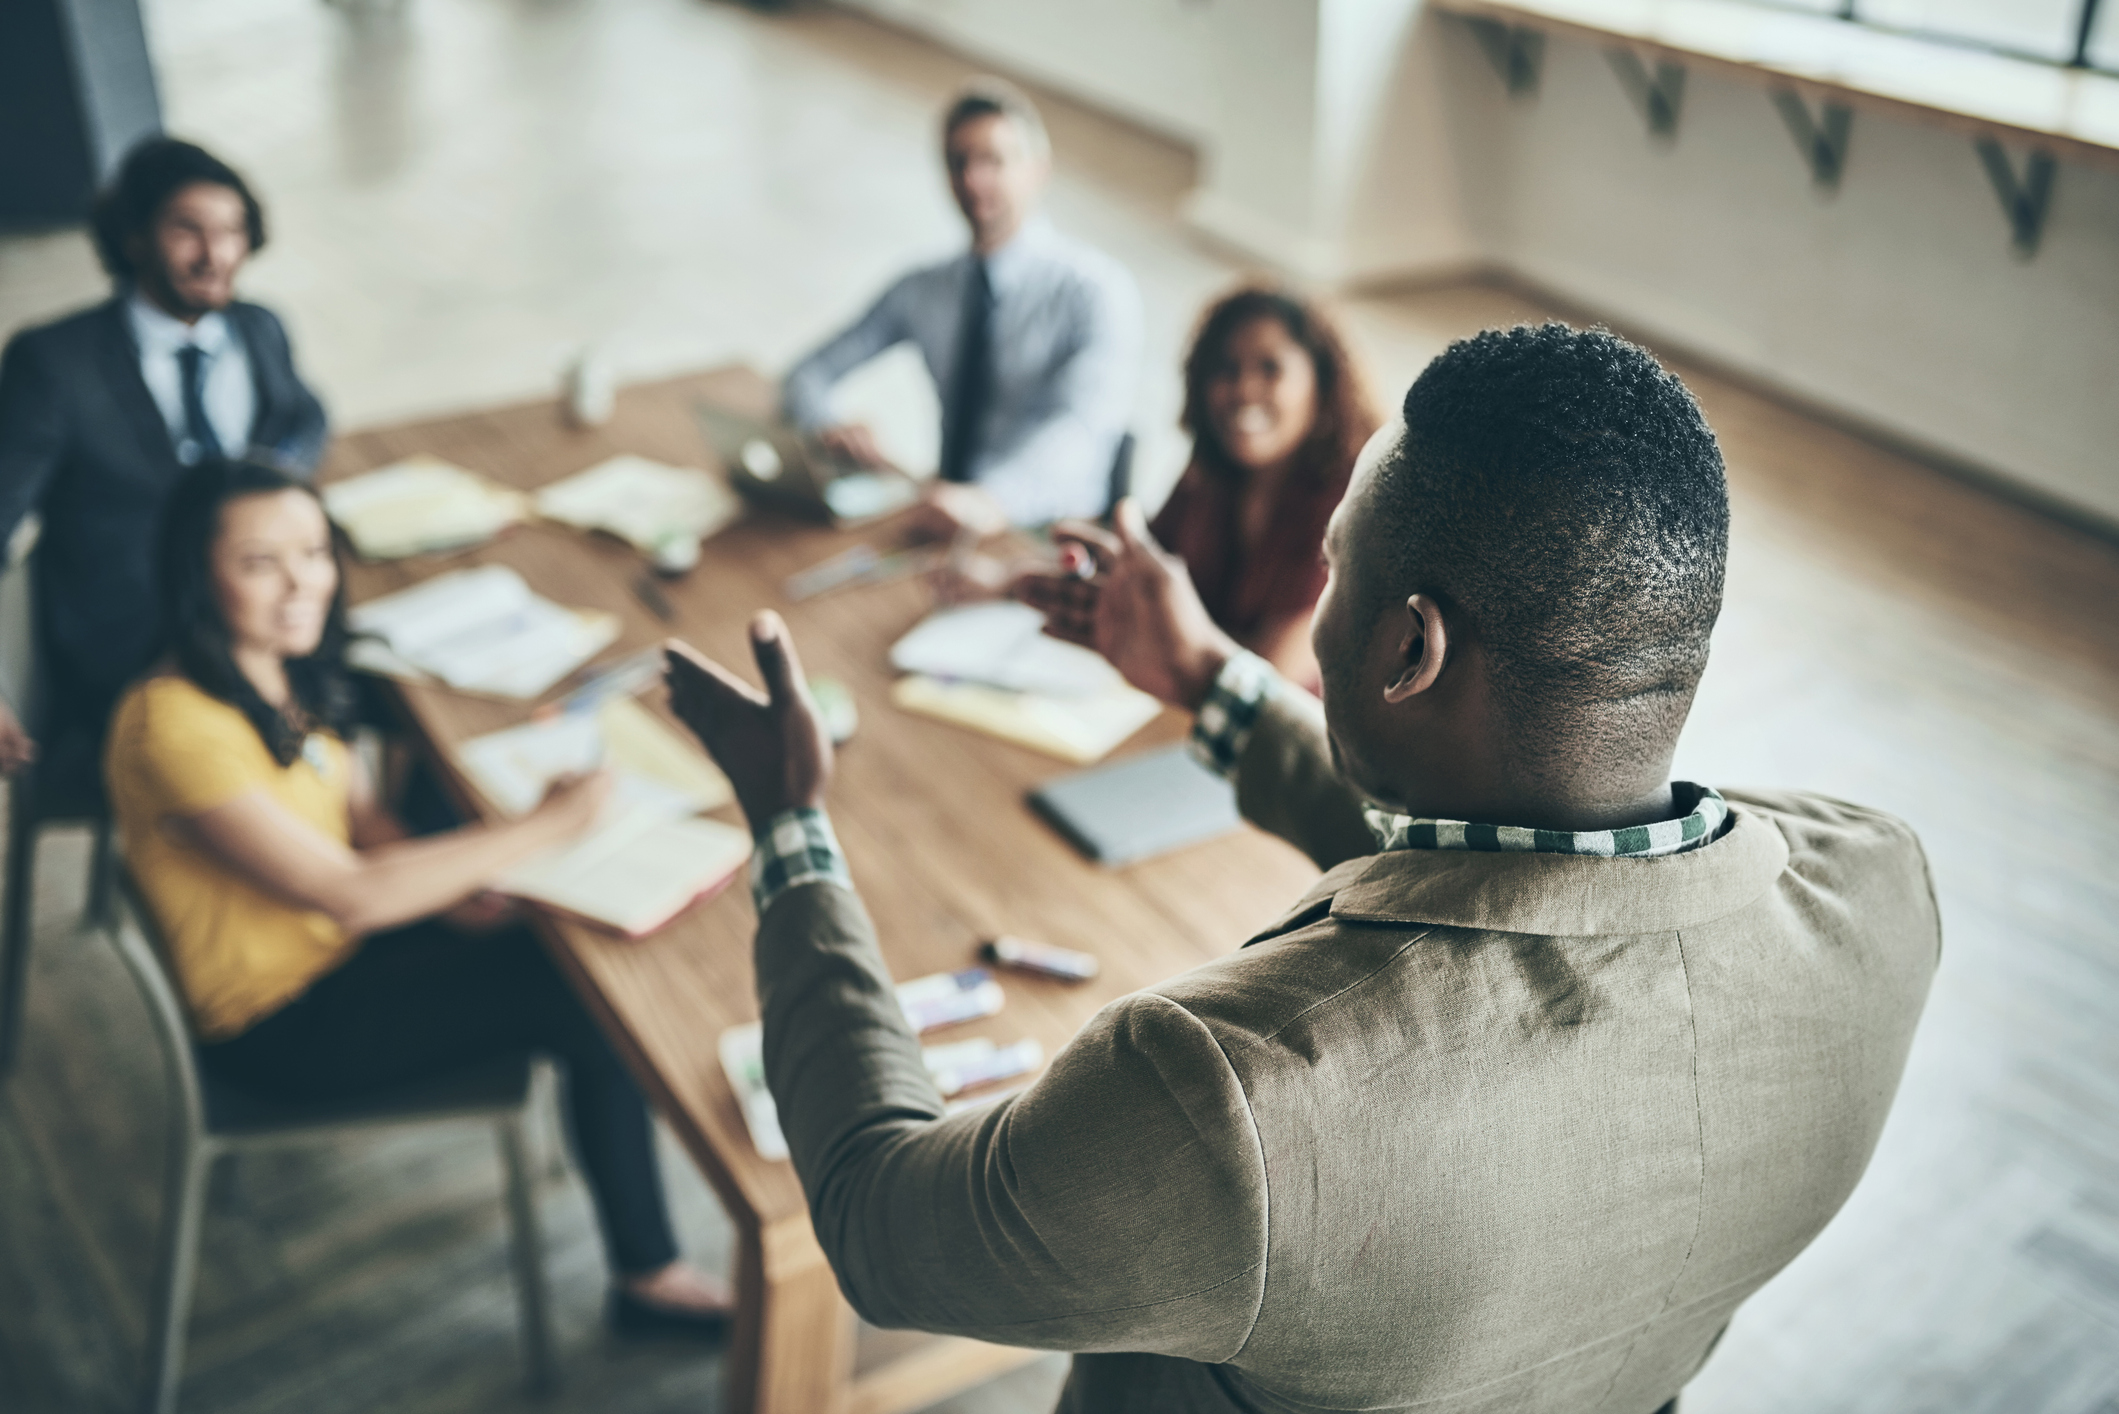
772,745
1140,611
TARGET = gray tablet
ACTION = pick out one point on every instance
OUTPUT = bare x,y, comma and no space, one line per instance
1139,807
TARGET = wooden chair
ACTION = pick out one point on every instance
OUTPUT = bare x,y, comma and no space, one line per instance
211,1120
37,800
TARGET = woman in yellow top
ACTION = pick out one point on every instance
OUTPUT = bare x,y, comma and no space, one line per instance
323,953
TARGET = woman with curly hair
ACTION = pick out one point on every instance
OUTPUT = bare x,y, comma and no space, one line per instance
1278,411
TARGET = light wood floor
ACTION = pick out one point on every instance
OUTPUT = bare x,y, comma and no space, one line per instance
1891,635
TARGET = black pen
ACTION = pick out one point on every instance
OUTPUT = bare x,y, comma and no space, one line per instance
650,593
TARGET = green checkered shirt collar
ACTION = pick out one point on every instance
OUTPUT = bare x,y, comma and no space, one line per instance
1705,814
1238,693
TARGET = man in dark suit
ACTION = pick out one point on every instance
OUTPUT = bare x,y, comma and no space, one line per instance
101,411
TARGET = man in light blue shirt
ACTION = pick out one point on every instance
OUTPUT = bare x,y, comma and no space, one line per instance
1033,341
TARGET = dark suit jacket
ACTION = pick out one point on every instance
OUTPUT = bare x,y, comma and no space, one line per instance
82,443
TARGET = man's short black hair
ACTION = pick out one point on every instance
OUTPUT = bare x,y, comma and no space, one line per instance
1561,490
991,97
155,170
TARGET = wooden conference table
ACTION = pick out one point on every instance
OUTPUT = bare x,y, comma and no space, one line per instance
939,839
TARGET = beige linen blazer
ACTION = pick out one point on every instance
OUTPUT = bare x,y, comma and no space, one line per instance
1461,1132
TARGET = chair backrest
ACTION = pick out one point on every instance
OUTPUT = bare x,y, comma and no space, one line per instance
1121,475
140,948
18,636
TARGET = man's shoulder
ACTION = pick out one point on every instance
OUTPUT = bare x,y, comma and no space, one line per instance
1822,821
256,319
69,334
1084,268
1361,920
1857,846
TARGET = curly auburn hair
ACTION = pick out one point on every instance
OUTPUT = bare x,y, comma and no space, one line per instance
1346,416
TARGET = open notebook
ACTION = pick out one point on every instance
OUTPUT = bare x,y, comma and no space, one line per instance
478,630
649,858
635,873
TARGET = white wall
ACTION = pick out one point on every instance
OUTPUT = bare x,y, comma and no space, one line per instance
1356,140
1142,59
1897,301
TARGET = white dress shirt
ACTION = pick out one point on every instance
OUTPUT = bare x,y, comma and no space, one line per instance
229,395
1065,340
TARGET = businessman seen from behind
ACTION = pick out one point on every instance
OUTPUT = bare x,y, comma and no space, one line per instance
1559,1061
101,411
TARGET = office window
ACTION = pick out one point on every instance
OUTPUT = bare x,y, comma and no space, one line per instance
2031,29
2042,29
2104,37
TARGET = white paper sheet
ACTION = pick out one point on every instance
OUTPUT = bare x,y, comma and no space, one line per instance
1002,645
653,768
647,503
482,630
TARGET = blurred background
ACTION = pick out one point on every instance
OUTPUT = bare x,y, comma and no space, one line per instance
1880,240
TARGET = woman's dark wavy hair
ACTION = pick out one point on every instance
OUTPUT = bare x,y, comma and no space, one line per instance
197,633
155,170
1346,417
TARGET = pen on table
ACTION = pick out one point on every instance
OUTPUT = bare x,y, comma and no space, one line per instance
630,674
650,593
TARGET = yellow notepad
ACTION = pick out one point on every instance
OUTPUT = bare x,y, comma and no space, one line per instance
1077,729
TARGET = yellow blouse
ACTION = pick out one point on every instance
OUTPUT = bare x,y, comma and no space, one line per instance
239,953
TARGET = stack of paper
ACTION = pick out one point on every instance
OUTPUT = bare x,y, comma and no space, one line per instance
477,630
992,668
419,505
653,766
647,503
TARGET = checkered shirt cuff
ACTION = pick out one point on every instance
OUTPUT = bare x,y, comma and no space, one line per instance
797,847
1223,727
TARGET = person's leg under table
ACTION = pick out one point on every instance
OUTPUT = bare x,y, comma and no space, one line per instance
426,1000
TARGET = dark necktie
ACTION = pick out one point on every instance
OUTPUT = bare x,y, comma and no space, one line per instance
971,381
191,361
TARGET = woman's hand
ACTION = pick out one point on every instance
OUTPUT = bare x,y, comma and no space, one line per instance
572,803
483,912
772,745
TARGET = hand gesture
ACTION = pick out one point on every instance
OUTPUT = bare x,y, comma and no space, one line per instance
17,750
853,441
1140,611
772,745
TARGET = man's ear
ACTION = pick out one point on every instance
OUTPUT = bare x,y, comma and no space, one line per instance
1423,648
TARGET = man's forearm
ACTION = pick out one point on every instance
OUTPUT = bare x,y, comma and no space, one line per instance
839,1055
1267,736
